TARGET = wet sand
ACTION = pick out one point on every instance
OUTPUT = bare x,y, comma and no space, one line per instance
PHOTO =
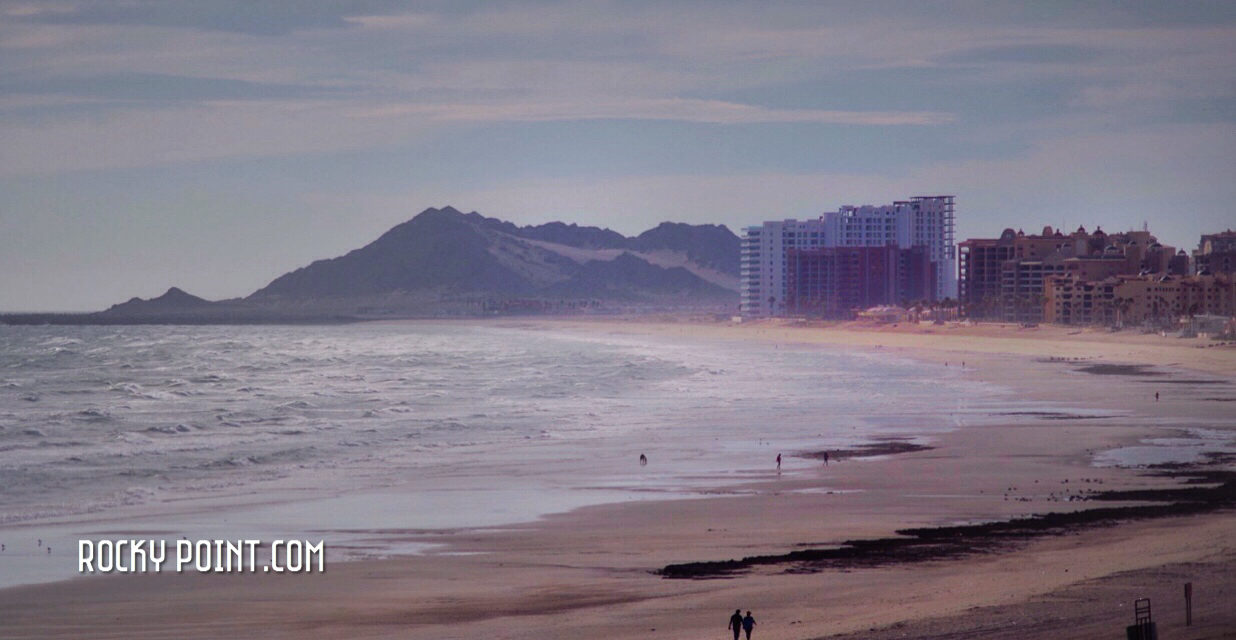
593,572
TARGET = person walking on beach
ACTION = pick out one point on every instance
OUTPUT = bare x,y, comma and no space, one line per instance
736,623
748,623
826,458
778,462
643,460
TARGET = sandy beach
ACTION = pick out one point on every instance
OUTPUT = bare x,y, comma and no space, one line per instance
594,572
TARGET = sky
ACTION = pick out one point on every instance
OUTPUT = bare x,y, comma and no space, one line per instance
214,145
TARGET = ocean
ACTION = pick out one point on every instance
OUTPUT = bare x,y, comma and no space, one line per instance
343,431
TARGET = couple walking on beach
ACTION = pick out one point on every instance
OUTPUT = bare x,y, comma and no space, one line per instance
739,623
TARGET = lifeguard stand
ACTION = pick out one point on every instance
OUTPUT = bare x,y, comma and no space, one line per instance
1143,627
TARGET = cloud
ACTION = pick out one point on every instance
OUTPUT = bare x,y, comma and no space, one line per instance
1026,54
678,109
186,133
165,82
158,87
237,128
261,17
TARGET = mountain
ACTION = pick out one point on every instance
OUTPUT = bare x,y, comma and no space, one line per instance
571,235
172,300
445,261
438,249
178,307
708,245
631,277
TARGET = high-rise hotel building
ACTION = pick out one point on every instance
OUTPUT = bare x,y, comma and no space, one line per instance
924,221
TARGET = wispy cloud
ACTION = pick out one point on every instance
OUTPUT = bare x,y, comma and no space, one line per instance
675,109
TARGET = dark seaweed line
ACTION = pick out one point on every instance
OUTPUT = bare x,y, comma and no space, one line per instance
936,543
870,450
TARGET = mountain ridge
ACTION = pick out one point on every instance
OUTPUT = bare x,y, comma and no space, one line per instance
443,262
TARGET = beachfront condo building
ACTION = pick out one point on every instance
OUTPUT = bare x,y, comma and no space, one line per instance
1216,253
1158,296
1158,300
925,222
1005,278
840,282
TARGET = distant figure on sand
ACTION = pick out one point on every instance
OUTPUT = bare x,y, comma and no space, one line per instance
826,458
736,623
747,624
643,460
778,462
1156,396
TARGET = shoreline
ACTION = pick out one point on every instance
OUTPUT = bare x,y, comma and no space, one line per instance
931,341
572,550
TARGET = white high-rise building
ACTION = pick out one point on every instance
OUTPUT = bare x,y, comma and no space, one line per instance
925,221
